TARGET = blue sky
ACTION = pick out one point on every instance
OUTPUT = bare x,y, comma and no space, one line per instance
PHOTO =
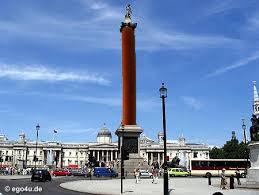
60,66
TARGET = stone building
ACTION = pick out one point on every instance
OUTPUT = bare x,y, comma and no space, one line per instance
20,153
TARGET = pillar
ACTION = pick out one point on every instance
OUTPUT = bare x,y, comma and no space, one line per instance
112,152
128,74
152,157
116,155
158,158
102,155
98,155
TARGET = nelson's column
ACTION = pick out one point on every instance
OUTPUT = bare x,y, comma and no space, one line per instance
128,133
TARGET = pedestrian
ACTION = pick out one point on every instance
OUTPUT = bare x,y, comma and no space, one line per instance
223,182
155,171
136,173
90,173
231,182
238,175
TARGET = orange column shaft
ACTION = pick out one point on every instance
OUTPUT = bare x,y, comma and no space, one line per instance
128,76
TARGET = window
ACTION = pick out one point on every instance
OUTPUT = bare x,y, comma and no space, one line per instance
69,153
195,154
76,153
6,152
40,152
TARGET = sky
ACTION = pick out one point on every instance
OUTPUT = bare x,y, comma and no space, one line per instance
60,66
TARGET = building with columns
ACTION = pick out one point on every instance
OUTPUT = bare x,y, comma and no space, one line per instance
20,153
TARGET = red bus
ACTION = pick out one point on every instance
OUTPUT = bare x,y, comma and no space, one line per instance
213,167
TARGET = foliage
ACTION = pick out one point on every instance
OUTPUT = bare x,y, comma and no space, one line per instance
175,162
232,149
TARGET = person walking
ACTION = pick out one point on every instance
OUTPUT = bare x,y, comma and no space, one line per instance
223,182
155,171
238,175
136,173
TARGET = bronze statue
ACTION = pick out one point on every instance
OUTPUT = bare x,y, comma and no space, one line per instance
254,129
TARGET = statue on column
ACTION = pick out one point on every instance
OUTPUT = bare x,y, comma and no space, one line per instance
254,129
128,11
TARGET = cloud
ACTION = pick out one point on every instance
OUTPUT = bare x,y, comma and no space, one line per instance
95,100
242,62
253,23
219,7
182,41
192,102
42,73
98,28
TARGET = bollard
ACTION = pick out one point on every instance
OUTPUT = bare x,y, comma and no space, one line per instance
209,179
231,182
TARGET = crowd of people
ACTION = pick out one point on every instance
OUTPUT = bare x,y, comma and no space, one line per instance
14,171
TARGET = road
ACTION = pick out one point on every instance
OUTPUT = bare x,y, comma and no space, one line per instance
48,188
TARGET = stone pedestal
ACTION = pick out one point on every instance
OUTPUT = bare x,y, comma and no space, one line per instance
128,136
252,180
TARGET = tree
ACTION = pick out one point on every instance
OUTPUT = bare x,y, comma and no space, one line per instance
217,153
232,149
175,162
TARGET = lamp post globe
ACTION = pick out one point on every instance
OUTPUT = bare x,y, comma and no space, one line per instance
163,91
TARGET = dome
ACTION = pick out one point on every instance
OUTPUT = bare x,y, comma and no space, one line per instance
104,132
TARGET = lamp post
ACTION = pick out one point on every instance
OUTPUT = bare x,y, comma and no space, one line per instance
246,152
163,95
37,135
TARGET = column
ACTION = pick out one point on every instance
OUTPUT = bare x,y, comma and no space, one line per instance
158,158
60,159
147,158
116,154
151,157
102,155
98,155
112,155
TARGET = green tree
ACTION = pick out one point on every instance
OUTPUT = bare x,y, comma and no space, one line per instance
216,153
232,149
175,162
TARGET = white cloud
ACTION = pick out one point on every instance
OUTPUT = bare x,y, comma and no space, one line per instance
242,62
96,100
192,102
253,23
161,39
42,73
99,29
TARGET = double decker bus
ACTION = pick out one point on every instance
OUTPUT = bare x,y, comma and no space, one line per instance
213,167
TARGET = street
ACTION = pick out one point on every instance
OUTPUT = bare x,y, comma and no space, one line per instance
26,187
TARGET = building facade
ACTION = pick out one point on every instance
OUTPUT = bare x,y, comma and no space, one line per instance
21,153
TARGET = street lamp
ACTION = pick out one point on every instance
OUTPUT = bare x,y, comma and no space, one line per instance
37,133
163,95
244,129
